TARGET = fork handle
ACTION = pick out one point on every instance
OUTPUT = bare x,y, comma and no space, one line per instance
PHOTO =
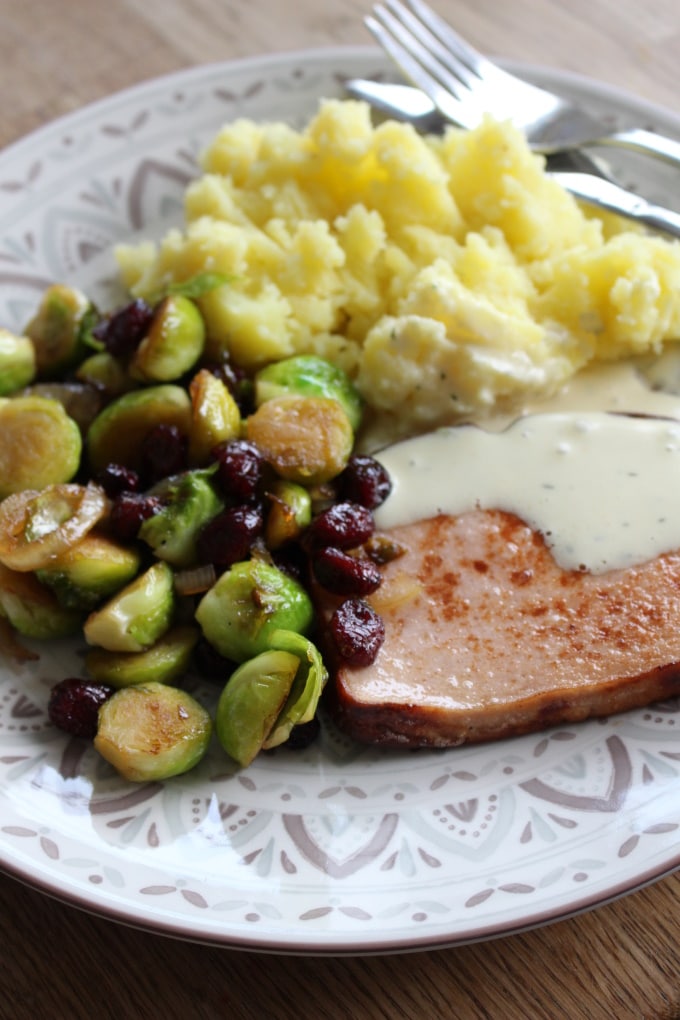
647,142
607,195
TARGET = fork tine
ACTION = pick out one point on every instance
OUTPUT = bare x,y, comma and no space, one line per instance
418,63
459,48
455,55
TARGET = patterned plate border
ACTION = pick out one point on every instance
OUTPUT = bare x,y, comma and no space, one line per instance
338,849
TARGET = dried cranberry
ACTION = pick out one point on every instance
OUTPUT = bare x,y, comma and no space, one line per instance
74,704
344,525
240,469
122,332
357,631
129,511
228,538
365,481
116,479
292,560
342,574
226,373
163,453
303,735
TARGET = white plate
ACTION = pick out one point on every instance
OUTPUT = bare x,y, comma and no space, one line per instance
337,849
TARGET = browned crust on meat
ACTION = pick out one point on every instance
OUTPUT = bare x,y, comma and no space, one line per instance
492,639
401,725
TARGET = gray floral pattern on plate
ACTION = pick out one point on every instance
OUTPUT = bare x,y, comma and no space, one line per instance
338,849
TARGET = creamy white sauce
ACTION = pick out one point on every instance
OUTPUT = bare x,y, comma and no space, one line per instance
603,488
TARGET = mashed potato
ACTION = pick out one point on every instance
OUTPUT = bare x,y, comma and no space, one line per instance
448,275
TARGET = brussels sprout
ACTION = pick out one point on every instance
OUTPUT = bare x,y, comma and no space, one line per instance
40,444
58,329
81,401
173,344
116,434
190,502
306,439
106,374
305,375
32,609
38,526
137,616
92,570
247,604
251,702
166,660
17,362
308,685
215,416
290,511
152,731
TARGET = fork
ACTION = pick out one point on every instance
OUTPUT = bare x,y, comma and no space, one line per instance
464,85
576,171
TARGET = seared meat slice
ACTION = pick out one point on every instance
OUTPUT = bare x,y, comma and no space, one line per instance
487,637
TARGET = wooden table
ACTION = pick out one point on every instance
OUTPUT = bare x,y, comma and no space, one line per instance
619,961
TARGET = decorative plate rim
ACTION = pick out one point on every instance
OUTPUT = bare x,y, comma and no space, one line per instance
332,847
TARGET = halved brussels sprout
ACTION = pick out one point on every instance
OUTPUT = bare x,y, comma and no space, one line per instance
290,511
173,344
190,502
116,434
306,375
306,439
90,571
137,616
152,731
251,702
32,608
39,526
247,604
310,680
106,374
17,362
39,444
215,416
81,401
167,660
58,329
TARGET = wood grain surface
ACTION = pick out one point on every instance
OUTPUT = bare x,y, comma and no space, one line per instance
59,963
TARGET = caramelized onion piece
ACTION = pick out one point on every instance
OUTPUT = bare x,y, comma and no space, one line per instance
36,527
195,580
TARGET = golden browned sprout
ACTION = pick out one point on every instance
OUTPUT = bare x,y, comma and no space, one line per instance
307,440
